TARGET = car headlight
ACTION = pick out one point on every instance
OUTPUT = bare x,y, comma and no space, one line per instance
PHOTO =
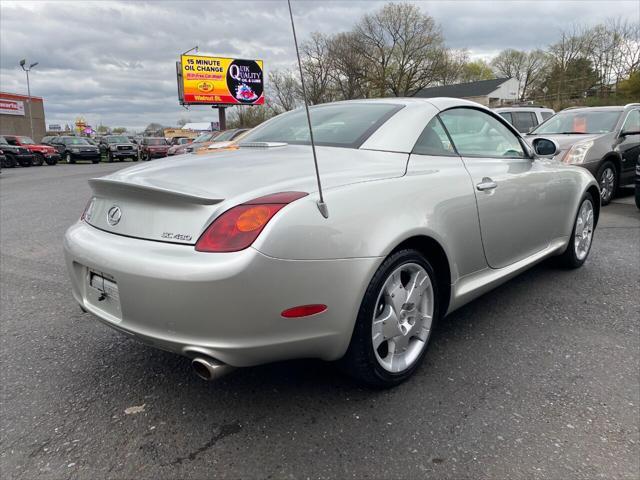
578,152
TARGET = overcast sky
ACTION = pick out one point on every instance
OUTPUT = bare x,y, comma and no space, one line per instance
114,62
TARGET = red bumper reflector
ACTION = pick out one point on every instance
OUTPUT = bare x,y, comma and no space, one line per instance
303,311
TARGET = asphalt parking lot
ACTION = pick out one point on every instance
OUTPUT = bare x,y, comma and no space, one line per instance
539,379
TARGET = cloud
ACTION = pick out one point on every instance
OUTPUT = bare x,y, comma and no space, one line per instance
114,62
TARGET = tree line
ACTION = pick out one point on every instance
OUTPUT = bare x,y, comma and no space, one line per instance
399,49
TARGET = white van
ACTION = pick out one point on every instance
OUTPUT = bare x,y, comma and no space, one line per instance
526,117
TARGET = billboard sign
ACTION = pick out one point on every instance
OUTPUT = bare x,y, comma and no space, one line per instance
55,127
11,107
220,81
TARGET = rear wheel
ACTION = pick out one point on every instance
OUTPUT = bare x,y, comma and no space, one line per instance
582,235
38,159
109,157
51,160
608,180
11,161
394,322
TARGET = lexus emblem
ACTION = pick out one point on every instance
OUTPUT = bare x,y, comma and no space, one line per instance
114,215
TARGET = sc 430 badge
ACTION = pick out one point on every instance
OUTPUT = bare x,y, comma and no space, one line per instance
176,236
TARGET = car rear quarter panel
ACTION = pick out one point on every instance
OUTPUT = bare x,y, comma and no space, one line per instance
435,199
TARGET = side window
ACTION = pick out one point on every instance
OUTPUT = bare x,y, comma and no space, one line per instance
524,121
506,116
12,141
478,134
632,123
434,141
546,115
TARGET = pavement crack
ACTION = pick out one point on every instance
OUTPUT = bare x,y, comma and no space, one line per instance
225,431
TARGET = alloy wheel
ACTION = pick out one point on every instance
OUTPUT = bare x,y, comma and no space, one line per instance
402,318
607,184
584,230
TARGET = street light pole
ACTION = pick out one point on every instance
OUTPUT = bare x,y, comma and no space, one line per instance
27,70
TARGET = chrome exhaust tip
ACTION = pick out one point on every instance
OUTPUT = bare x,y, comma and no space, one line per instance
209,369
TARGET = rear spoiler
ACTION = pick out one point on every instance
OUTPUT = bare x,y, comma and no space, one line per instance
106,186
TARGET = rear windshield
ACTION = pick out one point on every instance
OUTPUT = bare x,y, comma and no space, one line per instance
75,141
580,121
156,141
117,140
343,125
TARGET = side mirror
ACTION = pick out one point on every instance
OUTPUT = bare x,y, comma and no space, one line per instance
545,147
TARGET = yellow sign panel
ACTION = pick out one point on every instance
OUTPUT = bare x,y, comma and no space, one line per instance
220,81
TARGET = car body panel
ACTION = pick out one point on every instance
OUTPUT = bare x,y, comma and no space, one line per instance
378,196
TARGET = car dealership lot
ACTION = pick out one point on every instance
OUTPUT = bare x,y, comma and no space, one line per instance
538,379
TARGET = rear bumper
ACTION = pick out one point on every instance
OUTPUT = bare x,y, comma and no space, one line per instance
226,305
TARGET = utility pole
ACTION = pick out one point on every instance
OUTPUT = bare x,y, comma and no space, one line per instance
27,70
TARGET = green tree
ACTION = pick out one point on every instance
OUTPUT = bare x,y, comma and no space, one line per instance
118,130
475,71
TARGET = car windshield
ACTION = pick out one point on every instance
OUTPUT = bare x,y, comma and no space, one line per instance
580,121
224,136
205,137
156,141
343,125
120,139
26,141
76,141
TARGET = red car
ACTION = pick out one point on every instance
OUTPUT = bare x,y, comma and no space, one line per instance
41,153
153,147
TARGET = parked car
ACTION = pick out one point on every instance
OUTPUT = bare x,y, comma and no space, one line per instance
414,222
41,153
118,147
15,155
73,149
47,140
638,182
198,142
224,136
153,147
525,118
3,160
604,140
178,145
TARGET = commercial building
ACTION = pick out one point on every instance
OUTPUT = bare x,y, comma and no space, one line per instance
14,115
490,93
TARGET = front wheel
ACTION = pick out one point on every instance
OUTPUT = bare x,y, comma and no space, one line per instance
51,160
395,320
582,235
69,158
607,178
38,159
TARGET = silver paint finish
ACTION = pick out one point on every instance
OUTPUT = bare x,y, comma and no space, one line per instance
194,303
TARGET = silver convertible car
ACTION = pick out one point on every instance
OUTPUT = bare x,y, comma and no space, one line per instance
226,257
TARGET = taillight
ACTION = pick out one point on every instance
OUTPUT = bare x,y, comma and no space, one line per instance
238,227
86,213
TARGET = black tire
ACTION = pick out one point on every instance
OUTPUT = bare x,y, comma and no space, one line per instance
360,361
69,159
51,161
569,258
95,160
38,159
604,172
638,195
109,157
11,161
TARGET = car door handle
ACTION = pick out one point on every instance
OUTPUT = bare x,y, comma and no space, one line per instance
486,184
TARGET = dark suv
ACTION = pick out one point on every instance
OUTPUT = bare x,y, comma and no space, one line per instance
15,155
118,147
72,149
604,140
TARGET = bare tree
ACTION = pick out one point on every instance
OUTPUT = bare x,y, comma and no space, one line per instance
572,46
401,46
284,90
315,68
348,69
450,65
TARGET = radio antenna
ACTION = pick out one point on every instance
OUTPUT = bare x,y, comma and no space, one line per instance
321,205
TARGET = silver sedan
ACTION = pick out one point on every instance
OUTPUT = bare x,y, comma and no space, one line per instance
228,258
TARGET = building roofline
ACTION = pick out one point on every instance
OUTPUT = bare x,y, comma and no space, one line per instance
18,96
